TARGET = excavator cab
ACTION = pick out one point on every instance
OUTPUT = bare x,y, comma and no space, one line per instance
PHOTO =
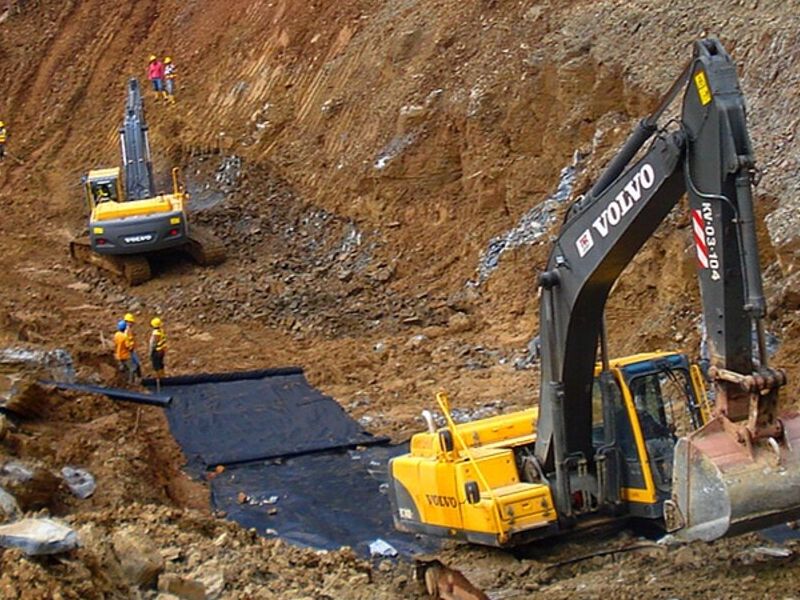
103,185
480,481
656,398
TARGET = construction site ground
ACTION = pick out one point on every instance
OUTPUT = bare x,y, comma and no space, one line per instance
362,161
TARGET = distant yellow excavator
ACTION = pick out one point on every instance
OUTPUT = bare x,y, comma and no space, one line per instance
125,226
632,437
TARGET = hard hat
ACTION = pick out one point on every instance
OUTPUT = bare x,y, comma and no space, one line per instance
155,322
121,325
129,318
167,60
152,57
2,124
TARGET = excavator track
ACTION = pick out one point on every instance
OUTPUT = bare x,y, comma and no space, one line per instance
205,248
135,269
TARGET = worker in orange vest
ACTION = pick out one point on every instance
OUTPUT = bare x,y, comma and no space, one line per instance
135,362
123,351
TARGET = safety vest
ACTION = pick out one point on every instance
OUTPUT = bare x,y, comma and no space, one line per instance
122,345
2,135
169,71
159,340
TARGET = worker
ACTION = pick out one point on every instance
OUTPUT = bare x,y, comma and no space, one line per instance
3,136
158,347
169,79
155,73
136,363
102,193
123,346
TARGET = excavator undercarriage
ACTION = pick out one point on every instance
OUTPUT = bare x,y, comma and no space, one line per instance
202,246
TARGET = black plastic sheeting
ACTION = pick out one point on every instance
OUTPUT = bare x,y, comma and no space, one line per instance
230,418
307,472
325,500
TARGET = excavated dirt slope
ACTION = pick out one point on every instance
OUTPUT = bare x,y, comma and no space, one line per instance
359,159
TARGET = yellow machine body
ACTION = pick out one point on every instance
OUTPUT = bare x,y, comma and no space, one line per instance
125,226
116,206
469,481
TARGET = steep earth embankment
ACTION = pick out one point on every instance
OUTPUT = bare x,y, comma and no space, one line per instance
360,159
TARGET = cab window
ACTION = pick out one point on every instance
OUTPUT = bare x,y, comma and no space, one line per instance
661,406
104,191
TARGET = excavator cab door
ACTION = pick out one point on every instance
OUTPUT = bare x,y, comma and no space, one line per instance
654,401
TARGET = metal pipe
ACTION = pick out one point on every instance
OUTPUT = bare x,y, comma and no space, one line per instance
603,344
563,498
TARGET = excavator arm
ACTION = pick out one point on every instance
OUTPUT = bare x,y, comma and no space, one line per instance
135,147
724,471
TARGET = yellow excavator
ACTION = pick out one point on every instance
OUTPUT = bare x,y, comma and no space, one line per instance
126,225
635,437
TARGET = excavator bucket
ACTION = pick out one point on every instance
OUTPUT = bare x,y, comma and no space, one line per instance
722,486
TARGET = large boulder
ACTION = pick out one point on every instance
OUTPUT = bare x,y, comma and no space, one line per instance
38,536
139,558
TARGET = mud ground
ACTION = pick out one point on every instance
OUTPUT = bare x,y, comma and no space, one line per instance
358,158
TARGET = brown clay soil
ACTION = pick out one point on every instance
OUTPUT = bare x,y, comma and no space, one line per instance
357,157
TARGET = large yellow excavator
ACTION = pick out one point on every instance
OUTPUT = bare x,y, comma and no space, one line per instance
632,437
125,226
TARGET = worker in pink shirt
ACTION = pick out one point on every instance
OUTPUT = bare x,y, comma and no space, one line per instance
155,73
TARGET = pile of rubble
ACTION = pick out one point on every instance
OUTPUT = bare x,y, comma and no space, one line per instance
150,551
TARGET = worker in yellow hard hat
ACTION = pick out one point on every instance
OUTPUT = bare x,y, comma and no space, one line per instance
158,347
169,79
155,73
3,137
129,320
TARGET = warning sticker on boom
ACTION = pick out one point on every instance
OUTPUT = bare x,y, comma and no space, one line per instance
702,87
